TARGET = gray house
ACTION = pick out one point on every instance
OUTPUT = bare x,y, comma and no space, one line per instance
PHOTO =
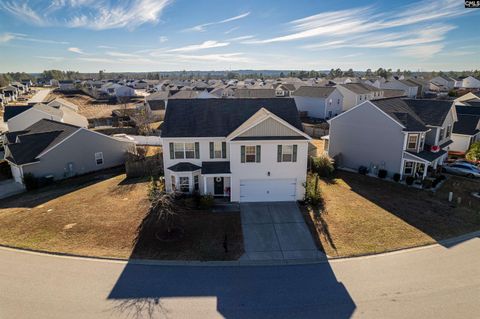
58,150
409,137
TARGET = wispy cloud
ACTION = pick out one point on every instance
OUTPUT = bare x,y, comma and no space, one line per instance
97,15
231,30
202,27
52,58
202,46
120,54
6,37
241,38
416,26
76,50
162,39
105,47
224,57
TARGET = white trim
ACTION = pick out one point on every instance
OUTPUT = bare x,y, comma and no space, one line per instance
361,104
421,159
68,137
33,108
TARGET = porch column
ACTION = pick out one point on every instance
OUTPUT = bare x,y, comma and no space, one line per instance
204,185
425,167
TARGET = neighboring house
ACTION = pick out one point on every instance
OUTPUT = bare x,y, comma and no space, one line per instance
408,137
466,130
282,90
117,90
184,94
410,89
57,150
356,93
10,93
254,93
470,83
250,150
443,81
66,85
39,111
59,103
319,102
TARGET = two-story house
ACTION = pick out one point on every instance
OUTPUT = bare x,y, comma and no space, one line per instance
319,101
444,82
404,136
466,130
356,93
249,150
410,88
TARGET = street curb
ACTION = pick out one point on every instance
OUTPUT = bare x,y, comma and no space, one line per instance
231,263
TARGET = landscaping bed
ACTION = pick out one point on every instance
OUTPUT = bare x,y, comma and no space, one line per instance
364,215
99,214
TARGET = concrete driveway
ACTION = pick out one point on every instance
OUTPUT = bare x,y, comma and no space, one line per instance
9,188
276,231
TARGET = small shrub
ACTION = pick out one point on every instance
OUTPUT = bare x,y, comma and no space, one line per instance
409,180
363,170
313,195
30,181
206,202
396,177
426,183
382,173
322,166
153,189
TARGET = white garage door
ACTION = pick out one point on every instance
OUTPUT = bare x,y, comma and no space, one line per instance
267,190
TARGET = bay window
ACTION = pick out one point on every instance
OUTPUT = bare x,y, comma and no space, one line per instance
184,184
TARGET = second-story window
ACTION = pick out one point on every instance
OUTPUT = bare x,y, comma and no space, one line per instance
218,150
250,154
412,142
184,150
442,134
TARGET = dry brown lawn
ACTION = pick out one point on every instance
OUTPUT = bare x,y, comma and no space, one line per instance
88,107
365,215
98,215
315,147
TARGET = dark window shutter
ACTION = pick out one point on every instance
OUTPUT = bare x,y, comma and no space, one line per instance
258,157
294,153
242,154
279,153
211,150
172,154
197,150
224,149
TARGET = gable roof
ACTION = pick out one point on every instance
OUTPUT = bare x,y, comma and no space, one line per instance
467,124
36,139
13,110
360,88
314,91
432,112
220,117
402,113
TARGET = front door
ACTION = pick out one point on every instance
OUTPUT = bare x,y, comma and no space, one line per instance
218,186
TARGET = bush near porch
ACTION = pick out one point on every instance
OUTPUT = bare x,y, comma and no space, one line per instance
364,215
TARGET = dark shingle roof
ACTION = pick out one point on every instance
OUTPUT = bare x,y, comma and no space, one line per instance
429,156
184,167
466,125
432,112
216,167
12,111
468,110
314,91
36,139
156,105
402,113
220,117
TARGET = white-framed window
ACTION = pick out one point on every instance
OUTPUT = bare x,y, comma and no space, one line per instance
412,141
184,183
217,150
449,131
408,169
442,134
250,154
422,141
184,150
196,184
287,153
99,158
189,150
174,183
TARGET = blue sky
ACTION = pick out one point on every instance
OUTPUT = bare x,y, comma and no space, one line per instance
166,35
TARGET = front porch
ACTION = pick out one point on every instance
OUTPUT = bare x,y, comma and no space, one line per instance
423,166
212,178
